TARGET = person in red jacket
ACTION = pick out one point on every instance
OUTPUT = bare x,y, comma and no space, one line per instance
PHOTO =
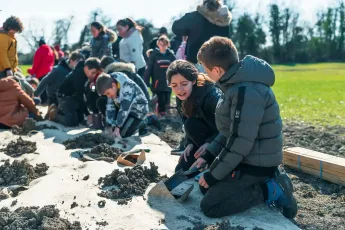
59,51
43,61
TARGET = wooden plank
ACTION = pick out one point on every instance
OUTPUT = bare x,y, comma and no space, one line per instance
325,166
312,166
325,176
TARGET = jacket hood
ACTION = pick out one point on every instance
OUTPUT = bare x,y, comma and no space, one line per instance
250,69
120,67
156,51
57,48
112,35
6,84
2,31
80,65
218,17
64,64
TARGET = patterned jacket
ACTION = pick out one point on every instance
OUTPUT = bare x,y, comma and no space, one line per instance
130,101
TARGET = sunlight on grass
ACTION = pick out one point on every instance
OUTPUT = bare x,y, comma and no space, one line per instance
312,93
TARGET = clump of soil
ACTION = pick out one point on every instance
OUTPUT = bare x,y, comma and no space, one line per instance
47,217
105,150
28,127
19,147
224,225
326,140
20,172
101,203
87,141
102,223
86,177
131,182
73,205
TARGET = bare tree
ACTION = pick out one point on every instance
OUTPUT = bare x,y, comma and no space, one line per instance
34,32
60,32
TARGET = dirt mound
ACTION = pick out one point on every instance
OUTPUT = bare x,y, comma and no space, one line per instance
20,172
19,147
131,182
104,150
28,127
87,141
326,140
47,217
224,225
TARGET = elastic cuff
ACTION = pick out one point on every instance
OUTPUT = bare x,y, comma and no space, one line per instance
210,180
7,69
208,157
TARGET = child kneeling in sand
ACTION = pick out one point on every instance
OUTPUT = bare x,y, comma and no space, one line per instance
126,106
245,156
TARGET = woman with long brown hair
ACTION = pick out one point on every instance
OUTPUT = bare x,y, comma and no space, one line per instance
196,98
131,45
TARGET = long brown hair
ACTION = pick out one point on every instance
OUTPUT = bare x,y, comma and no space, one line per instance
130,23
190,72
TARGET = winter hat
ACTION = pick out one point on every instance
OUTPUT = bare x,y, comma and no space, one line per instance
163,30
42,41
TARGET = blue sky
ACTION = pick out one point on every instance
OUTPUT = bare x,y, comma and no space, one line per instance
43,13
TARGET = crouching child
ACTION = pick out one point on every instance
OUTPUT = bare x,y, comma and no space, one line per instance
244,158
126,107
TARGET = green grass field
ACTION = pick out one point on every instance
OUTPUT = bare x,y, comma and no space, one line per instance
314,93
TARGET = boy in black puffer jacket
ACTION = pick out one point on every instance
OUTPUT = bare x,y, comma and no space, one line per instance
159,61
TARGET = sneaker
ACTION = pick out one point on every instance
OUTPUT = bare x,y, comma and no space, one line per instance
280,194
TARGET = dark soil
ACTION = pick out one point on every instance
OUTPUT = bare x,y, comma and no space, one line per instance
86,177
102,223
87,141
330,140
19,147
131,182
224,225
28,127
20,172
35,218
101,203
105,150
74,204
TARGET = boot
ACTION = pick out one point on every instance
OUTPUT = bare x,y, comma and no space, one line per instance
280,194
97,122
52,112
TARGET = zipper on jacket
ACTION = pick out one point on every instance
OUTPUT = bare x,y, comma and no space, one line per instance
156,84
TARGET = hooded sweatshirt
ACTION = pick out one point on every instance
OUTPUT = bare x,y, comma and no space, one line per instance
200,26
248,119
101,46
130,101
43,61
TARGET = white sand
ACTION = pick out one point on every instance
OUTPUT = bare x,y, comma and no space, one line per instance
60,187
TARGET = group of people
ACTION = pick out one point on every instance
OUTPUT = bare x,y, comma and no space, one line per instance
231,119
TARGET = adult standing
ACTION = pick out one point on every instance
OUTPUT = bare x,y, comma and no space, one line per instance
131,45
210,19
8,46
44,59
102,40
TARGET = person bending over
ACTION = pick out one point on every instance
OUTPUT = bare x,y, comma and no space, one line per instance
196,100
126,106
245,156
72,108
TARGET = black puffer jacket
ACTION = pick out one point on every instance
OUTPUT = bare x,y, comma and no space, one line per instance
157,68
200,26
101,46
206,100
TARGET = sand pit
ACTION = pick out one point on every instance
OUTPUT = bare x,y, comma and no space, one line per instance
70,181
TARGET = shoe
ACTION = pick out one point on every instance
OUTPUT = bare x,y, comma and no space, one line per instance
154,121
280,194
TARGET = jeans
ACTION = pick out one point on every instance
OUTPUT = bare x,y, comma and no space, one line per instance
197,131
68,113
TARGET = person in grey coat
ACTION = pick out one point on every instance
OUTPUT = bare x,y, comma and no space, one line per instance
245,156
52,82
101,43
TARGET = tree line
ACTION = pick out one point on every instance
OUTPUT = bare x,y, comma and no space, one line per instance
280,37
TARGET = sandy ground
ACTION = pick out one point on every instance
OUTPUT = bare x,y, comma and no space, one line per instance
77,199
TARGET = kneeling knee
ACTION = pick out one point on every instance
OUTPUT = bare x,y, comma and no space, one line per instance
209,210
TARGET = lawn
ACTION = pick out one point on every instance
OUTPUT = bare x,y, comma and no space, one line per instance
313,93
24,69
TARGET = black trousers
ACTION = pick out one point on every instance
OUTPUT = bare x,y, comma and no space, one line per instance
131,125
2,126
236,193
52,99
91,101
197,131
44,97
163,100
68,113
